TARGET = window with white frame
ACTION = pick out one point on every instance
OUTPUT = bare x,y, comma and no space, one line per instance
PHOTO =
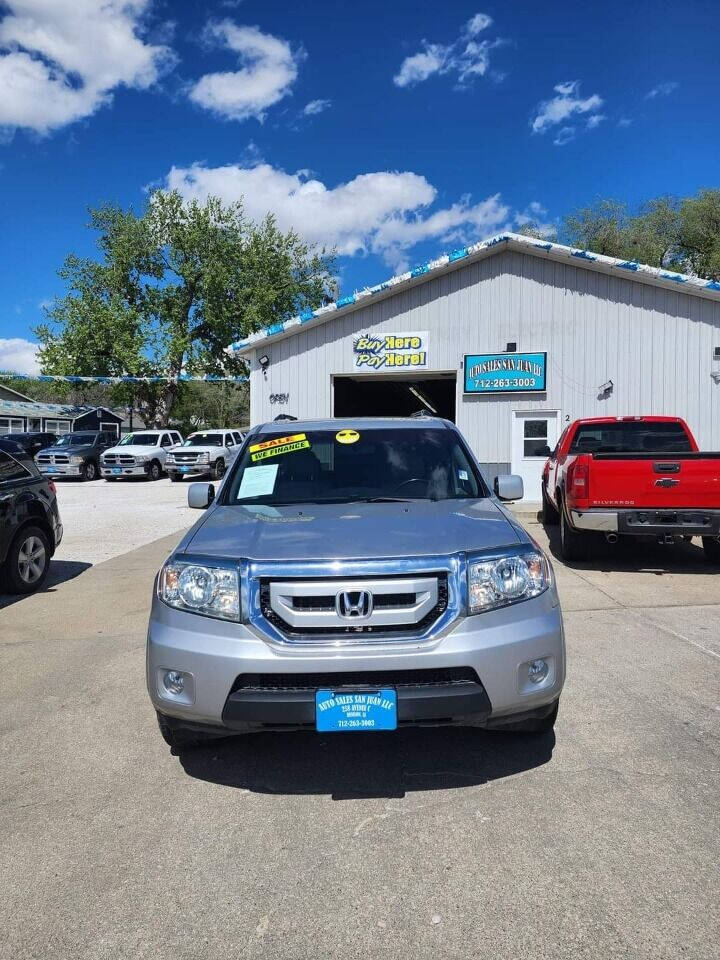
58,426
11,425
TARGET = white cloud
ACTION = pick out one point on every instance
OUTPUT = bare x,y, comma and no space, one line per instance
268,69
624,122
60,60
562,107
563,136
662,90
316,106
465,56
383,212
595,120
19,356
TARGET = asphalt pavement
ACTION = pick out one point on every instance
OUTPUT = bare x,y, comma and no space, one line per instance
600,841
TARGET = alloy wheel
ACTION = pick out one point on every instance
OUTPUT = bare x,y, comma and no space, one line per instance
31,560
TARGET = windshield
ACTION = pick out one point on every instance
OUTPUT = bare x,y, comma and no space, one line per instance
631,437
345,465
204,440
75,439
140,439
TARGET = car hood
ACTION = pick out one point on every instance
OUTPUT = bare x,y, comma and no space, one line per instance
131,448
78,448
351,530
207,449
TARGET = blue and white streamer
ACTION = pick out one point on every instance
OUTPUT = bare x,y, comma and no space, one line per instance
183,378
640,269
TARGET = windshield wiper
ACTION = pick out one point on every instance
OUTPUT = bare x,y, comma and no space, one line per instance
379,500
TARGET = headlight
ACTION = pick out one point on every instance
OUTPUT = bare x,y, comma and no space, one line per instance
204,457
211,591
500,581
76,460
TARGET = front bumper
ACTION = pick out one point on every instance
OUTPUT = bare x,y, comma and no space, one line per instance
139,470
497,645
59,470
649,522
192,470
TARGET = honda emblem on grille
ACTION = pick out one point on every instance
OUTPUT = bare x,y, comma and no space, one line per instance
354,604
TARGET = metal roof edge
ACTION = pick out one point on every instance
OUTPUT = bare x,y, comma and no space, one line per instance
629,269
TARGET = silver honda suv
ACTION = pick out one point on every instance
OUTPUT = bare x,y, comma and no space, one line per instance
354,575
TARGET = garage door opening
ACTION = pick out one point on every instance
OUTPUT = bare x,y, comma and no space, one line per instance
383,397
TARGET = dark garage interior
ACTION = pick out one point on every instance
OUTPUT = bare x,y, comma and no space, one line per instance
400,397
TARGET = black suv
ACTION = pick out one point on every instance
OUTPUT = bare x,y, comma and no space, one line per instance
33,441
30,527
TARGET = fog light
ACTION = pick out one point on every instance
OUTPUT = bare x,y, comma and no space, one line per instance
537,671
174,681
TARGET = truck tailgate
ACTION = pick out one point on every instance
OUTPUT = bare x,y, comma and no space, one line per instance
652,480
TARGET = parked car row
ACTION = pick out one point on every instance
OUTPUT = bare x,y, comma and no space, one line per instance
89,454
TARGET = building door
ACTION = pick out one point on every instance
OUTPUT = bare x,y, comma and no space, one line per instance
533,431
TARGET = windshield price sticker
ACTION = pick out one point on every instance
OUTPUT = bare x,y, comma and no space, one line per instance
257,481
271,448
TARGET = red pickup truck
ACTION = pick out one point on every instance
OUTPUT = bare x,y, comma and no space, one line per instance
639,476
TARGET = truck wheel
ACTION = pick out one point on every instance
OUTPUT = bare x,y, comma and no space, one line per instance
711,546
538,725
154,471
218,468
574,545
178,737
88,471
28,561
548,515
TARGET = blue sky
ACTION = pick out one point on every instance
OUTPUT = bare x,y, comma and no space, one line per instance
392,131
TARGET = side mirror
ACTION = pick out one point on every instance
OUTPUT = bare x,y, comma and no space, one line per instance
507,487
200,495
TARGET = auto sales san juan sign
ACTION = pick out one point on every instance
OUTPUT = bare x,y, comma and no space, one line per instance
505,372
380,351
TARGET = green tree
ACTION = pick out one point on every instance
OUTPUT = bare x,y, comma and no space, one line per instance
602,228
171,289
700,232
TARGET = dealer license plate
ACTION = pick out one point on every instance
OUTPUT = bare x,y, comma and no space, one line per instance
117,469
184,469
51,469
344,711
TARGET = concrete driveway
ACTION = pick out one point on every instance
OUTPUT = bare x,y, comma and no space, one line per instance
453,843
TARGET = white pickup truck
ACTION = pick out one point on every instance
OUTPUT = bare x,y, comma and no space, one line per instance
204,453
139,454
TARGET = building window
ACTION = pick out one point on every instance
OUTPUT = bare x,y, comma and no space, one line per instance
11,425
535,438
58,427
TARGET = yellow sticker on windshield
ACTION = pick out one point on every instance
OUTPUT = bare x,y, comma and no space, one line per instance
278,445
347,436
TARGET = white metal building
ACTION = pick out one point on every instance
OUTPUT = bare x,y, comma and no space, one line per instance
511,338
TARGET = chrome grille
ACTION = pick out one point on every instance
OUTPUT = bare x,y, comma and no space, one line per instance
399,607
119,459
53,458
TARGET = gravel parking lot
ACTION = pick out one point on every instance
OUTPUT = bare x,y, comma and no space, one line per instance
104,519
602,841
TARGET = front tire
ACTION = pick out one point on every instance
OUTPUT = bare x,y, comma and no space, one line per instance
178,738
88,471
574,544
711,546
536,726
28,561
218,469
154,471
